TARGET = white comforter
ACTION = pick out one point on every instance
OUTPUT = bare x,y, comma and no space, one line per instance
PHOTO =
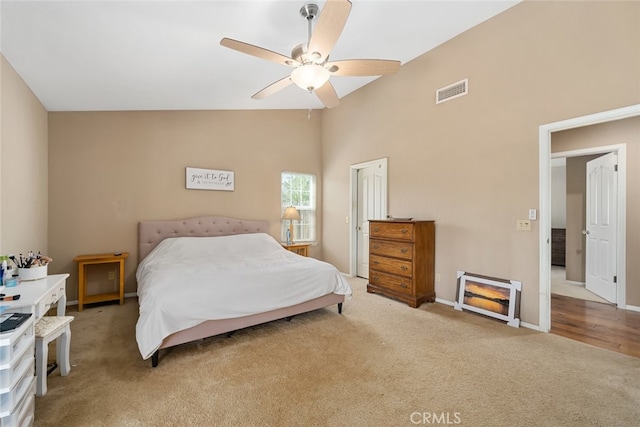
185,281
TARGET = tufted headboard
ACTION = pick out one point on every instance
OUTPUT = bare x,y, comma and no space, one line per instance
150,233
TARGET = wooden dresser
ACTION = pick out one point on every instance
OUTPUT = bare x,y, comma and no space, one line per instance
558,246
402,260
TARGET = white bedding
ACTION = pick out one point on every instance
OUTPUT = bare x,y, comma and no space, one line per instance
185,281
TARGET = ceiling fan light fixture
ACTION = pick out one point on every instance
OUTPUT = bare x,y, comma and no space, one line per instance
310,76
309,61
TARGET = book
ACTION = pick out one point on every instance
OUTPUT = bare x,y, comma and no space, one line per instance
10,321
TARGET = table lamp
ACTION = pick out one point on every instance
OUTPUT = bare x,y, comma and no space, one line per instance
291,214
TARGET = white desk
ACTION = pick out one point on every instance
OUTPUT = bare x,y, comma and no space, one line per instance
37,296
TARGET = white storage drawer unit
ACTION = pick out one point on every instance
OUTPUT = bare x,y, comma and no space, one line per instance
23,414
17,349
17,376
13,344
9,399
12,372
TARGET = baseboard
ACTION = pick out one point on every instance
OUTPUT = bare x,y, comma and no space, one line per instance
444,301
530,326
450,303
523,324
129,295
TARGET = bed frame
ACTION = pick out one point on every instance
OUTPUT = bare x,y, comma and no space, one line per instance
150,233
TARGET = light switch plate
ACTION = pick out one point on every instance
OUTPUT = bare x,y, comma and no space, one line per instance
532,214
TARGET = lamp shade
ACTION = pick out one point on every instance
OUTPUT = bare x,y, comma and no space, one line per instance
310,76
291,213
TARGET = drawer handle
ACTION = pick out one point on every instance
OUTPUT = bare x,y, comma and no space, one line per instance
404,250
403,268
376,229
376,277
404,231
375,246
376,262
403,286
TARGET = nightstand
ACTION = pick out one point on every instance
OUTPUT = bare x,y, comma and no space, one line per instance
83,261
298,248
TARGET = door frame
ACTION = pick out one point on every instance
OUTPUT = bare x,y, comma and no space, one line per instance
545,131
621,202
353,215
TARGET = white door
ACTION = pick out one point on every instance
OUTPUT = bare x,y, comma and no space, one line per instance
600,232
371,201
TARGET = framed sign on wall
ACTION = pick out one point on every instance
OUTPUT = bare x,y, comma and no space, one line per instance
209,179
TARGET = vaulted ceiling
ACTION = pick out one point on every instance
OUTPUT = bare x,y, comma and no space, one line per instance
166,55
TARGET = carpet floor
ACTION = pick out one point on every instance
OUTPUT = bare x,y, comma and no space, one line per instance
380,363
561,286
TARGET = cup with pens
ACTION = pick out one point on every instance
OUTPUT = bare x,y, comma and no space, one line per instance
32,266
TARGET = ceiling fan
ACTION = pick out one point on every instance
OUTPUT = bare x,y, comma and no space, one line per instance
310,61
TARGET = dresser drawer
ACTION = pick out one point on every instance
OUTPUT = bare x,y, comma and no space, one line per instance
392,230
49,299
402,250
22,414
391,281
13,344
10,399
391,265
16,370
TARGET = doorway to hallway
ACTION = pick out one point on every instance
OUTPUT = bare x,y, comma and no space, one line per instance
368,201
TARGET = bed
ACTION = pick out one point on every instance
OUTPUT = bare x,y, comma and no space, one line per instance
206,276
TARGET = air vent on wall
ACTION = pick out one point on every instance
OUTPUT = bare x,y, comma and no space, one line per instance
452,91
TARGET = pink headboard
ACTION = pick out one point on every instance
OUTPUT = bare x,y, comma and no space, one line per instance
150,233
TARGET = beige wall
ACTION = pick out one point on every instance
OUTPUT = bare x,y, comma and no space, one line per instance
23,166
471,163
626,132
109,170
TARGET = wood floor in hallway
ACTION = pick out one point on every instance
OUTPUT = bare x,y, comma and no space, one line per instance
598,324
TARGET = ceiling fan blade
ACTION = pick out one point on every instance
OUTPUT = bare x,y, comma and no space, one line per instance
363,67
331,21
273,88
259,52
327,95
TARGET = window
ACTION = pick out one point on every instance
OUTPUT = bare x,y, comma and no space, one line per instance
299,191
